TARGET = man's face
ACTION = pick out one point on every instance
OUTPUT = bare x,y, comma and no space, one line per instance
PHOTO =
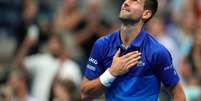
54,46
132,10
15,81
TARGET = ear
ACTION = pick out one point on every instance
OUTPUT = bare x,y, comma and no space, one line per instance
147,14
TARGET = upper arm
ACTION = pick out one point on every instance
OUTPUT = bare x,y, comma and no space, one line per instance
165,69
93,67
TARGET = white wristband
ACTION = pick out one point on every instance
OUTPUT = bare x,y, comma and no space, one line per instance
107,78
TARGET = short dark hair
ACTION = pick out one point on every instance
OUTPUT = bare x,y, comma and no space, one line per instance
151,5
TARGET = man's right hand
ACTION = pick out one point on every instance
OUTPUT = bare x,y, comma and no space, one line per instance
121,65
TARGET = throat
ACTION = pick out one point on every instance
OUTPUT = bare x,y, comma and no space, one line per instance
125,40
128,34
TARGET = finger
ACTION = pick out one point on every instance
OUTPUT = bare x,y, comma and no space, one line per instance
129,54
132,57
133,61
132,65
117,54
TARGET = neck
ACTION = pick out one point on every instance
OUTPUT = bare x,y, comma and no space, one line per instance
129,33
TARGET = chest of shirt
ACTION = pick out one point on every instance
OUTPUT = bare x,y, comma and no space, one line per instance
143,68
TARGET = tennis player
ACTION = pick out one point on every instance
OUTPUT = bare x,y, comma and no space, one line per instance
130,65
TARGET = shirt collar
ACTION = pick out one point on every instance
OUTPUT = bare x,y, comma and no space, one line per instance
137,42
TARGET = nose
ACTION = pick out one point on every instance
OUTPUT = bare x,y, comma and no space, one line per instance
126,3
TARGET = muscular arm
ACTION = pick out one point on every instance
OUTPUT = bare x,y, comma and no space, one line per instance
177,92
91,89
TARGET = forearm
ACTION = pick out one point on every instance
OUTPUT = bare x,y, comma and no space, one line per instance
21,54
83,35
91,89
179,96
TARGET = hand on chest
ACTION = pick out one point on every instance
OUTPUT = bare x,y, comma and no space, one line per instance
140,69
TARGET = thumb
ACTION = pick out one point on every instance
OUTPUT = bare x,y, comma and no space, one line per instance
117,54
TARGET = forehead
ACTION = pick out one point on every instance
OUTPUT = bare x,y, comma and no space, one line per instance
138,1
134,0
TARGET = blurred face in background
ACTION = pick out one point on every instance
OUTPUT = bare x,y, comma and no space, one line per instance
16,82
132,10
93,6
30,9
189,23
65,90
156,26
54,46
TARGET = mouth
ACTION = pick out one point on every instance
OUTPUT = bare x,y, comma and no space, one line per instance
124,9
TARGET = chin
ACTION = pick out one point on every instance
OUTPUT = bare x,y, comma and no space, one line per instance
127,20
124,15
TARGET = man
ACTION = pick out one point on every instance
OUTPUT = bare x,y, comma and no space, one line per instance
45,67
18,81
129,65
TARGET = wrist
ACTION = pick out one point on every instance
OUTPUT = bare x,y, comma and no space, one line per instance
112,72
107,78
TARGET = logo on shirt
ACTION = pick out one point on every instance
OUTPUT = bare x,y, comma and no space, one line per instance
141,64
92,60
168,67
175,73
91,67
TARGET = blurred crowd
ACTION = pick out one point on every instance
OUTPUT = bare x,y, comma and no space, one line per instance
45,44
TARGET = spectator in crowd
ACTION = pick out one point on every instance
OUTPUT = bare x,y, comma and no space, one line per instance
192,63
157,26
44,67
64,90
192,89
91,27
182,33
190,68
66,19
27,26
19,85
